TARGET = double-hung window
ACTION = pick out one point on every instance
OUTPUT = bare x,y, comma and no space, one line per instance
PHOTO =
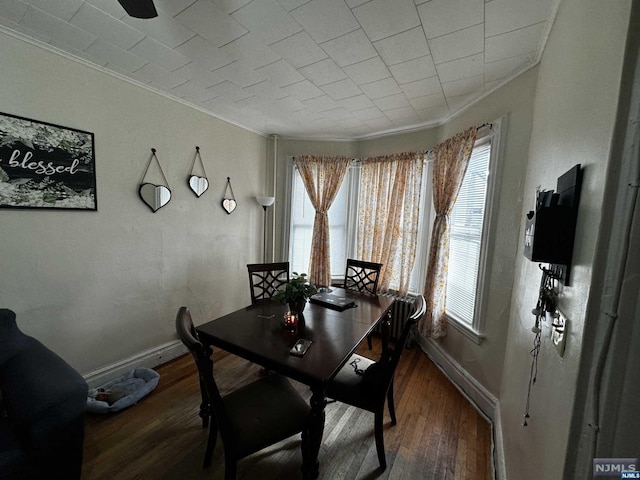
468,233
301,226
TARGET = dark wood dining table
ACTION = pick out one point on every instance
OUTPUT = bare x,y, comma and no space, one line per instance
257,333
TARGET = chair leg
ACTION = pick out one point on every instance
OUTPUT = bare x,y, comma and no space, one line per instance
211,443
369,343
379,434
391,404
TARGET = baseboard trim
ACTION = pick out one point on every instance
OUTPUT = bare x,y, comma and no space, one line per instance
149,358
483,400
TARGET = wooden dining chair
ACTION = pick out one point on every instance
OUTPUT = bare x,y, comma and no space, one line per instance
250,418
363,277
366,384
266,278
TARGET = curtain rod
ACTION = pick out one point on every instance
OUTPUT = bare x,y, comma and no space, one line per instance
490,125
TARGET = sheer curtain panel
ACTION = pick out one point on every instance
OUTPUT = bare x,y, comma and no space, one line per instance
322,177
451,158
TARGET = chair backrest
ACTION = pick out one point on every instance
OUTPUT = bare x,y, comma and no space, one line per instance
202,356
384,368
266,278
362,276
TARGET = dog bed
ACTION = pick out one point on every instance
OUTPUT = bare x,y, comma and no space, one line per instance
122,392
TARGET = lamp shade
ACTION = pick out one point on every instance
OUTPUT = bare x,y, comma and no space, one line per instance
265,201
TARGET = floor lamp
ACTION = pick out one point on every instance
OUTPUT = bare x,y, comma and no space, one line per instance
264,203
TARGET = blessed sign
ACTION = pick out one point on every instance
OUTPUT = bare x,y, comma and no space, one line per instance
43,165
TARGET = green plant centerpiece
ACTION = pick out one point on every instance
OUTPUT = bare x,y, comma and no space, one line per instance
296,292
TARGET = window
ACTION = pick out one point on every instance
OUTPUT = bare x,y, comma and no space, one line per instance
302,216
467,222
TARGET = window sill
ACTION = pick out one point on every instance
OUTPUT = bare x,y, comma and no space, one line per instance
466,330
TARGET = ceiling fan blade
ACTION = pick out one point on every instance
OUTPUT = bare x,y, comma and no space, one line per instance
139,8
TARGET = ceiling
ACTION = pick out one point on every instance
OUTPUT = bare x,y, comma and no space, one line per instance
340,69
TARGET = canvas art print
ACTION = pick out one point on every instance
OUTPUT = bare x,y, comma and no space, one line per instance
43,165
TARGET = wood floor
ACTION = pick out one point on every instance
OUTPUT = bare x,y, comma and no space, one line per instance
439,435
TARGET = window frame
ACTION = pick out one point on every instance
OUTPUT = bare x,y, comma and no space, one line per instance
475,331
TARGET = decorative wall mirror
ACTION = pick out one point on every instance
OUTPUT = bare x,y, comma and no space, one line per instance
198,183
154,196
229,201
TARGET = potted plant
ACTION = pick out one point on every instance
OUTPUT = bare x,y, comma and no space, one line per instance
296,292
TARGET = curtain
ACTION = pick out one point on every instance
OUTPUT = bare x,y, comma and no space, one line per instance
388,215
322,177
451,158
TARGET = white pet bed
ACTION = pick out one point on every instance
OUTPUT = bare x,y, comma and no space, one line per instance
122,392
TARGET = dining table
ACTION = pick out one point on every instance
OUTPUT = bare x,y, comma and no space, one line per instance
258,333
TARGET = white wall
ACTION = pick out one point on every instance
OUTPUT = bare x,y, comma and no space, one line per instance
574,113
101,287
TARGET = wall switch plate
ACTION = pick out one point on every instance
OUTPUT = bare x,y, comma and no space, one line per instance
559,332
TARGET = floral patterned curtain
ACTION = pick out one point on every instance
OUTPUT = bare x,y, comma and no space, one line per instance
388,214
322,177
451,158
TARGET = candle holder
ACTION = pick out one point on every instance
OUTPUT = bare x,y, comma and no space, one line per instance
290,321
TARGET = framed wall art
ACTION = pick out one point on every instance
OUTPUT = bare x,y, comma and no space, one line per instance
43,165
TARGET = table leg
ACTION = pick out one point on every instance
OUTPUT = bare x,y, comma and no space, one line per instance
386,330
313,437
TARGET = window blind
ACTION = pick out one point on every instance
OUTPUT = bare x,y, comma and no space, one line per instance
466,222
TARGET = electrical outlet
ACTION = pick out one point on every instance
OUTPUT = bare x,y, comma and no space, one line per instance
559,333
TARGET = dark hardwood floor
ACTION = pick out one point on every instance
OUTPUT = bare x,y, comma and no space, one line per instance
439,435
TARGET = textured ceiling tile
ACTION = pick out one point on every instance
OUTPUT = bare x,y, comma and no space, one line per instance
229,90
359,102
513,44
460,44
504,16
303,90
341,89
351,48
172,7
157,53
112,54
230,6
367,71
440,17
104,26
403,46
464,86
251,51
266,90
323,72
201,50
413,70
383,18
381,88
109,6
368,113
159,76
299,50
280,73
423,87
267,20
462,68
163,29
63,9
391,102
458,102
321,104
239,74
402,116
50,26
325,20
210,22
504,68
428,101
434,115
13,11
200,71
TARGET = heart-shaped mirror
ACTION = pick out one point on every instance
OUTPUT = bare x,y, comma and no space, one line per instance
229,204
199,185
155,196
